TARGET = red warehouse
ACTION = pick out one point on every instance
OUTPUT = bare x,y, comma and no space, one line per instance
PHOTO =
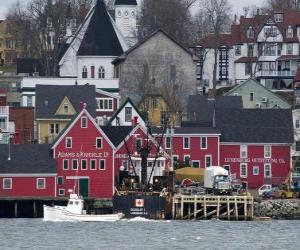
30,171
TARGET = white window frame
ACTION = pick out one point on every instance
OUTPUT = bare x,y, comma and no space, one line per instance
195,161
105,102
266,151
168,146
297,123
175,156
87,168
189,142
63,166
265,166
246,169
55,128
99,138
243,149
253,172
208,156
37,183
61,192
187,156
102,160
58,177
73,160
127,115
201,142
71,140
82,119
10,182
94,160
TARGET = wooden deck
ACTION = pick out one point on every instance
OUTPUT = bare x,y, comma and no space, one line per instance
211,206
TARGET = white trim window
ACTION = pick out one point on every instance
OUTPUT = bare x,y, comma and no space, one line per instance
54,128
227,167
168,142
243,170
203,143
101,72
7,183
105,104
267,170
243,151
196,164
99,142
186,159
255,170
186,142
208,161
297,124
75,164
102,165
68,142
84,123
61,192
267,151
175,158
84,165
93,164
128,114
41,183
65,164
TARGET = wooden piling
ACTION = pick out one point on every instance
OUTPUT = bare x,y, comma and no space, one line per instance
236,209
16,209
218,207
34,209
228,208
205,208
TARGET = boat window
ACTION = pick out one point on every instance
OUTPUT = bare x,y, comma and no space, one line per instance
70,202
76,202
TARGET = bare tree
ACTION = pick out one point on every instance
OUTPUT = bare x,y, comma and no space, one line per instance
217,12
283,4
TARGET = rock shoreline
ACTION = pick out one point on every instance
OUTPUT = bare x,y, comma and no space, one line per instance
278,209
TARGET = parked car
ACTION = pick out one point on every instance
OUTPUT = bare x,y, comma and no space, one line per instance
264,188
270,194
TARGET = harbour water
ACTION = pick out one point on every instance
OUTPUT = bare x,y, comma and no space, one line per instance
139,234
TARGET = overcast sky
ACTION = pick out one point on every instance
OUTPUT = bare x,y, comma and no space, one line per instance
237,5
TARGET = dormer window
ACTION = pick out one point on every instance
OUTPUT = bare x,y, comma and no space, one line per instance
290,32
250,33
278,17
66,108
101,72
84,72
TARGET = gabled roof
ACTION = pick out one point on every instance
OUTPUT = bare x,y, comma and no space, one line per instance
125,2
124,55
117,134
27,159
128,100
255,125
100,38
50,97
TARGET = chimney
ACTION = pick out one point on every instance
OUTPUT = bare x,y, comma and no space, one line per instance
81,105
134,121
258,12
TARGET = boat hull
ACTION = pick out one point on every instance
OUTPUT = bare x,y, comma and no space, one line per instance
59,213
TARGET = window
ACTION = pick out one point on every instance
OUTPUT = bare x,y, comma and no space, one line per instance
98,142
250,50
175,158
75,164
66,164
270,31
83,164
69,142
270,49
66,108
203,142
243,151
29,101
168,142
186,142
289,49
208,161
227,167
125,164
54,128
93,164
238,50
196,164
298,146
138,143
92,71
128,114
248,68
163,118
278,17
154,102
267,170
243,170
7,183
290,32
267,151
60,180
297,123
40,183
252,97
250,33
83,122
61,192
102,164
186,159
255,170
84,72
101,72
105,104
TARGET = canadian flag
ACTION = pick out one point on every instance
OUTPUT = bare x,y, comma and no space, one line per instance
139,203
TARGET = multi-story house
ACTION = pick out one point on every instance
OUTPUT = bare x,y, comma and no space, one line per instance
265,46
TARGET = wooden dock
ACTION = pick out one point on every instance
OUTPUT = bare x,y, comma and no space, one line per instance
212,206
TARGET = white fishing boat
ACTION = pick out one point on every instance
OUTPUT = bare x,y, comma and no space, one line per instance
74,212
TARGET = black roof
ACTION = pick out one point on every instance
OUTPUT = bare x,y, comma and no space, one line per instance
188,130
27,159
116,134
125,2
100,38
255,125
201,108
49,98
30,66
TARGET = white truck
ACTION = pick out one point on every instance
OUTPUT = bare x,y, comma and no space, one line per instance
216,180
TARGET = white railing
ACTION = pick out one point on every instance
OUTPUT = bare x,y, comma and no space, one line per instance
4,110
276,73
295,175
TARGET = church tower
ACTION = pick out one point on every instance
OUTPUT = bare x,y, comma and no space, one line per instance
125,17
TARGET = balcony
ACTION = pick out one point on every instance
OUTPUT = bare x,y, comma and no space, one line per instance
4,110
276,73
295,175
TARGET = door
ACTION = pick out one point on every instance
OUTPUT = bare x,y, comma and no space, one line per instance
84,187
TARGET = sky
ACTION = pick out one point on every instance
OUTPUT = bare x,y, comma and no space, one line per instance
237,5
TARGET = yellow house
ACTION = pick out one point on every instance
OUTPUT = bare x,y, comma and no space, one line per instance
57,105
158,112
